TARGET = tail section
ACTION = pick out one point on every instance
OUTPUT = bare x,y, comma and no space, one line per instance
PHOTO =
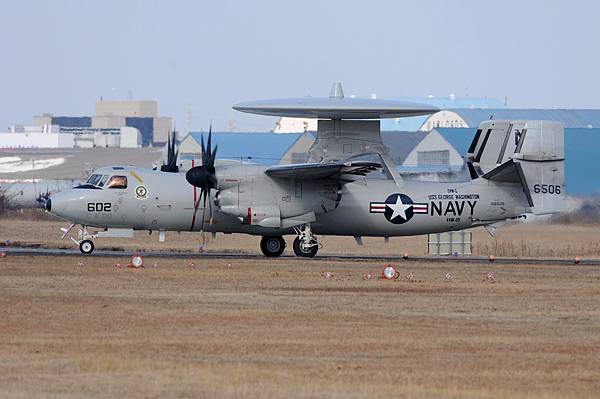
527,152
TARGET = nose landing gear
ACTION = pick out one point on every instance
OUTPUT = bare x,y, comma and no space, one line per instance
86,247
84,241
84,237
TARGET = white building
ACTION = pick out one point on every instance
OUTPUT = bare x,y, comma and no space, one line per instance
37,140
295,125
49,136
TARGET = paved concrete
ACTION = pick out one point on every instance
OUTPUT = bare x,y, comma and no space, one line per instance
20,251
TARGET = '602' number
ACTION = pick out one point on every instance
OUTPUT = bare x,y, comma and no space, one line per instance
546,189
99,207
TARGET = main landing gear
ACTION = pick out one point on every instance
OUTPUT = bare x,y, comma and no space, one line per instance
272,246
306,244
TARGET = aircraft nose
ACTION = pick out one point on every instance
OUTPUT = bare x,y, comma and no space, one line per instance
48,205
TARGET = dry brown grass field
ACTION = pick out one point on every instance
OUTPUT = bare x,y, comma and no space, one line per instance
279,328
520,239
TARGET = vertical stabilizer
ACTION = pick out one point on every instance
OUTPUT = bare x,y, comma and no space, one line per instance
529,152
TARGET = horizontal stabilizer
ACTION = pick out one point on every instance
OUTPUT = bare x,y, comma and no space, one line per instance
510,172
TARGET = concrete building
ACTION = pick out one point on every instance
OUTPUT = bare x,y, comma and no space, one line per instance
148,109
142,115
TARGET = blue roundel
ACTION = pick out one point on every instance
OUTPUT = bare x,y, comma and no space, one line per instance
398,208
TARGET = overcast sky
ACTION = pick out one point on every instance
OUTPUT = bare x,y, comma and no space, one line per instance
197,58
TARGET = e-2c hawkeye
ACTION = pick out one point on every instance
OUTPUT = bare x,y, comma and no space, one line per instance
515,168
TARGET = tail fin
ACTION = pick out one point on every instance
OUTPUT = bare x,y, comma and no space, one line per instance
528,152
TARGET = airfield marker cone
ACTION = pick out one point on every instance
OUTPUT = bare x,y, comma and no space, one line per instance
389,272
405,255
136,262
491,258
2,254
577,260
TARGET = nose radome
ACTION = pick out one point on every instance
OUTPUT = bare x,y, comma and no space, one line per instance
48,205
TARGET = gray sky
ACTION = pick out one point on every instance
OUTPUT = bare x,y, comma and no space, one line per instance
203,56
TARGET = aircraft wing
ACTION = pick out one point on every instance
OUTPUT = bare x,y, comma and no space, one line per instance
323,170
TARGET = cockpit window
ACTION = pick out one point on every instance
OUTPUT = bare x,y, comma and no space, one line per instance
117,182
94,179
102,181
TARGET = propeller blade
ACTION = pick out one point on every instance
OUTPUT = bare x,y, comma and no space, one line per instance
204,177
204,193
202,147
209,146
195,212
211,211
172,152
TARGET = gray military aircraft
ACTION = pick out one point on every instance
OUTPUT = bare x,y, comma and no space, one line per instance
516,167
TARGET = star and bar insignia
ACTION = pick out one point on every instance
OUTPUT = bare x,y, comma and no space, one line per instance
398,208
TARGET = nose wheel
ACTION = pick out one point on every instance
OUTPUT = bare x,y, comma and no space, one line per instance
86,247
272,246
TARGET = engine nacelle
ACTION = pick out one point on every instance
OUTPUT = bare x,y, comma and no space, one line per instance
262,215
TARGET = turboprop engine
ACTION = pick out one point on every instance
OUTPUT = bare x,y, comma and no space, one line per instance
261,200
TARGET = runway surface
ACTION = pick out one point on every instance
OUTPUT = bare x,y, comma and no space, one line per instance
25,251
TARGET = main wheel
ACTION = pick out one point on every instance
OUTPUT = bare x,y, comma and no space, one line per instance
86,247
272,246
301,250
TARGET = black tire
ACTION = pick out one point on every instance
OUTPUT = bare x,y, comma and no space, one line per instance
86,247
299,251
272,246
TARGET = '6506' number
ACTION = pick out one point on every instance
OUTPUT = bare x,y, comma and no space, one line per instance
99,207
546,189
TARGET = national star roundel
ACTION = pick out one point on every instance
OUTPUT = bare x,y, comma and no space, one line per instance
398,208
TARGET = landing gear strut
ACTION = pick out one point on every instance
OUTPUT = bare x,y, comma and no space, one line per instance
84,241
272,246
306,244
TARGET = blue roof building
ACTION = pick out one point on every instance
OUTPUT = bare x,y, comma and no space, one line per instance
261,148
